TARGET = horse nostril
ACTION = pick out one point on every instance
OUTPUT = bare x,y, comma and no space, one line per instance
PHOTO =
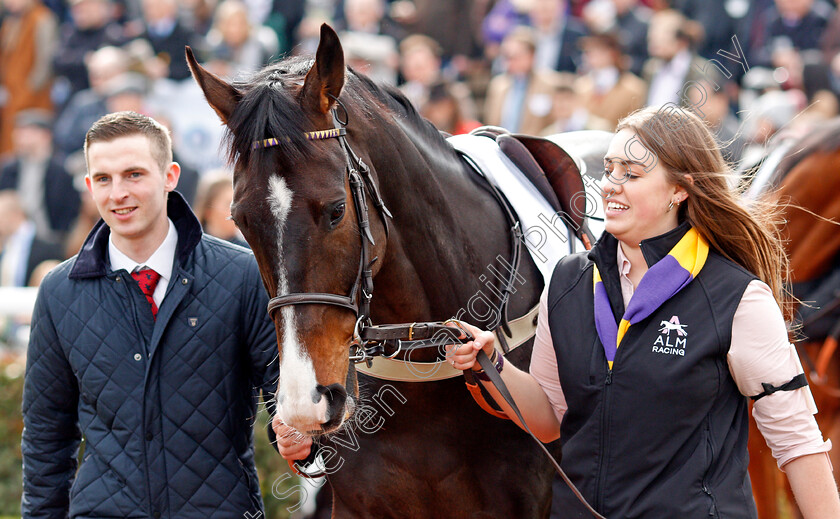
336,396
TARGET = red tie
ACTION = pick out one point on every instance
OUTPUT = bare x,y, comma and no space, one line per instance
148,280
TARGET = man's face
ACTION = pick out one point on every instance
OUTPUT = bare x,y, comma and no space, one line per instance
129,189
519,59
32,142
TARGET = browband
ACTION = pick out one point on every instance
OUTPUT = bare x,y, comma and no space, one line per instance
311,136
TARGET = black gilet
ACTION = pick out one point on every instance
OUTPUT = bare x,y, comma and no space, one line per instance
664,433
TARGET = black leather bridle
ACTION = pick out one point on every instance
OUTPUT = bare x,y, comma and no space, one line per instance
380,340
360,180
386,340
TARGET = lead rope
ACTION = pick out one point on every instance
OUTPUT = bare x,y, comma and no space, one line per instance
496,379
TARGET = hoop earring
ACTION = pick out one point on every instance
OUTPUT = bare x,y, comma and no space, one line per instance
670,206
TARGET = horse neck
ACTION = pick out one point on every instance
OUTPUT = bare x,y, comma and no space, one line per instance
446,229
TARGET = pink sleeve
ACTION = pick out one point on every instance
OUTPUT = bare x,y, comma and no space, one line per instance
544,362
760,352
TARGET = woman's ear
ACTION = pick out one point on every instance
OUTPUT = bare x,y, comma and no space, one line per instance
680,191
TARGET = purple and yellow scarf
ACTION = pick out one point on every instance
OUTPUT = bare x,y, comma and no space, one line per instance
659,284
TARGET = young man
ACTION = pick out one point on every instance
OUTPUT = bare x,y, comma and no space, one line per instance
153,342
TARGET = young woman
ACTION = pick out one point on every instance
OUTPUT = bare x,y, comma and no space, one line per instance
649,346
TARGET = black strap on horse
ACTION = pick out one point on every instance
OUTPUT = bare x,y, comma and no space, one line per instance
496,380
360,179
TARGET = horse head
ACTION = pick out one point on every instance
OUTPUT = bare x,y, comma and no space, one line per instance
298,204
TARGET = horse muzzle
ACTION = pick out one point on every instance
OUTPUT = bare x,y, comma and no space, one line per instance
328,408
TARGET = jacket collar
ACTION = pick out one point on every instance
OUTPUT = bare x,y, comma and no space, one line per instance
653,250
92,260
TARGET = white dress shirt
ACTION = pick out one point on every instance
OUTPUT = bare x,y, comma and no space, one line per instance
161,261
667,84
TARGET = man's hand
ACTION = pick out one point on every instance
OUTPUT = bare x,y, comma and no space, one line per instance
292,444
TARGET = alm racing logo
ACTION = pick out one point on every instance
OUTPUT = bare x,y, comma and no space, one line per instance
668,345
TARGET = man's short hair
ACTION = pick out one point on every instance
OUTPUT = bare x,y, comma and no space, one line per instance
125,124
524,35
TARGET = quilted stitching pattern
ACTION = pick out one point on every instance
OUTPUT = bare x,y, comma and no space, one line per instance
166,408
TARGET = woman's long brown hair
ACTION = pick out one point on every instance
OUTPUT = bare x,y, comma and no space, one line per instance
749,236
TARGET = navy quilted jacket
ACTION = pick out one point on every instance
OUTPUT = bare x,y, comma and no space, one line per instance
166,407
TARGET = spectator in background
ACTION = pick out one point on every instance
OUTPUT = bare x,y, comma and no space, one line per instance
197,15
502,18
443,109
629,20
367,16
452,24
88,216
718,25
557,34
27,45
88,105
673,63
126,93
168,37
90,27
212,207
370,40
769,113
520,99
606,89
236,47
21,249
713,107
37,173
421,67
284,18
569,114
791,24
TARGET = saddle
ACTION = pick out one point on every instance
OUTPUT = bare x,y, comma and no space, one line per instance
552,171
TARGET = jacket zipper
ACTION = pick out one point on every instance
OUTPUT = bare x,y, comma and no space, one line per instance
706,489
605,430
142,340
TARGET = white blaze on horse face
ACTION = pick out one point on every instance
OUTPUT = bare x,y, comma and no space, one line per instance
299,404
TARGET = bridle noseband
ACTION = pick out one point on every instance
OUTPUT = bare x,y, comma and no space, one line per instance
360,180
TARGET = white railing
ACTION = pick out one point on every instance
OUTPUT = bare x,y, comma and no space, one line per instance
17,302
16,305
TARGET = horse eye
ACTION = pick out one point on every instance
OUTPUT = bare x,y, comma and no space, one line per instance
336,215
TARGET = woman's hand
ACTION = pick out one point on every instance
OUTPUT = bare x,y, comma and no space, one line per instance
292,444
462,356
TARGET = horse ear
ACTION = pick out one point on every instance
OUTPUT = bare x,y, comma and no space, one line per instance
221,95
325,79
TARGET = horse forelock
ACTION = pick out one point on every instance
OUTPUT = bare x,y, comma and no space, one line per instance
269,108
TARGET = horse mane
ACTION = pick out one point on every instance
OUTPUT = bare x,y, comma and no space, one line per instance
824,138
270,108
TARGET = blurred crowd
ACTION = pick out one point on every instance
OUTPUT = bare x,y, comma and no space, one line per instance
750,68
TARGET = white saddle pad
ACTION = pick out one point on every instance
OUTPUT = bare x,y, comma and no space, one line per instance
545,235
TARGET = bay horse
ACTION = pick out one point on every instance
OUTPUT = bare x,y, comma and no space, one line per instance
428,232
806,183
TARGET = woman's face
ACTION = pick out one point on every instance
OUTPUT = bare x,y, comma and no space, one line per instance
235,28
636,192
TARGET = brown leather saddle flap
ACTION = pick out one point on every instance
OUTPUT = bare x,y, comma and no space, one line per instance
562,173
